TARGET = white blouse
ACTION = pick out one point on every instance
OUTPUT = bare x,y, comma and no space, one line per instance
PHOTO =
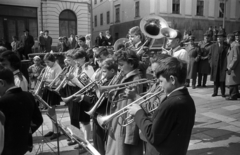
52,72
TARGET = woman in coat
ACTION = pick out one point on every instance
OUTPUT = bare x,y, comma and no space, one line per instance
203,66
124,140
233,68
193,53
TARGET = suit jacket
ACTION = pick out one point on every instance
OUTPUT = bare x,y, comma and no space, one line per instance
26,43
48,44
233,64
218,61
169,131
22,114
109,41
72,43
100,41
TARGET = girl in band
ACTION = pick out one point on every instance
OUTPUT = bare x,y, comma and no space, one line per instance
52,70
80,56
122,140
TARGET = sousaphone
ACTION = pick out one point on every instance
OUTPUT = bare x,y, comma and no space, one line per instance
151,26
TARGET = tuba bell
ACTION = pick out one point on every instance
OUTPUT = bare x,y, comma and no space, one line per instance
151,26
122,43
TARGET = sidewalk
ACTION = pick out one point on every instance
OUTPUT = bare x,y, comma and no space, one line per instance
216,130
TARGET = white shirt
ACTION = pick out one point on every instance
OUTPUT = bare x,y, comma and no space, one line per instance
20,81
181,54
52,72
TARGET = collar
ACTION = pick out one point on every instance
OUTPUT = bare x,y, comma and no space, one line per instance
137,44
179,88
176,49
131,73
16,71
13,87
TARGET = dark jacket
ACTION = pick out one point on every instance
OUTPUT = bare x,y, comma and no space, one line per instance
109,41
100,41
218,62
169,131
48,44
21,112
26,44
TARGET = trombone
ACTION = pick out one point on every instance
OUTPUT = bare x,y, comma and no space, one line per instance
63,82
57,77
100,100
104,120
84,90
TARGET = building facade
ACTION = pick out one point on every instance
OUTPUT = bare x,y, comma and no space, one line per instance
195,15
59,17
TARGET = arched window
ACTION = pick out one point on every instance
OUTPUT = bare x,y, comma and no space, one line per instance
67,23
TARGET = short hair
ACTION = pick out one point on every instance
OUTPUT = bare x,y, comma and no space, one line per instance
172,66
49,57
101,51
129,56
109,64
13,59
70,53
6,75
46,31
159,58
90,53
82,38
136,31
80,53
2,49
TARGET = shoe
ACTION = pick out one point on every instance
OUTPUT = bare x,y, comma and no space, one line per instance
198,85
72,143
223,95
78,147
193,87
82,150
231,98
213,95
54,136
48,134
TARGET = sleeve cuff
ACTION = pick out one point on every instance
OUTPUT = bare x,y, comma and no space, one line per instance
139,115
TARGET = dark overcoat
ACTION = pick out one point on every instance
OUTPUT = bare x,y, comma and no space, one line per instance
193,53
218,62
48,44
233,63
124,140
169,131
203,65
27,43
21,111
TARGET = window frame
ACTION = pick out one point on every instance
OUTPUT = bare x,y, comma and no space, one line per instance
200,8
117,13
137,9
220,14
174,5
95,20
68,20
108,17
101,19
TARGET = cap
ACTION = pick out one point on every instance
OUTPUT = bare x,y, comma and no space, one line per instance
36,58
237,33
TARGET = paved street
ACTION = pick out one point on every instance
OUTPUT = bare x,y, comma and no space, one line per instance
216,130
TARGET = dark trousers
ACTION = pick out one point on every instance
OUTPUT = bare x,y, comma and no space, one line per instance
193,82
75,122
99,137
233,91
200,77
218,84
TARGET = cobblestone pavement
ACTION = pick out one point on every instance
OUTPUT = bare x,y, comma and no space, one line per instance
216,130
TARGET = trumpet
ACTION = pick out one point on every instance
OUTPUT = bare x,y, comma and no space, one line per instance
84,90
104,120
100,100
57,77
63,82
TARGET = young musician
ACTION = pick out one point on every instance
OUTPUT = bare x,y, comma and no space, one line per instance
122,140
169,131
80,56
51,72
11,61
21,111
81,43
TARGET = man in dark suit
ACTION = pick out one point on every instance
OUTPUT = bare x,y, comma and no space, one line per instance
218,63
100,40
72,41
48,41
22,115
168,131
26,43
